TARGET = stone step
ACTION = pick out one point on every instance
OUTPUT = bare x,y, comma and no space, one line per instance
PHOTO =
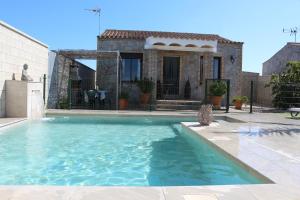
178,102
177,107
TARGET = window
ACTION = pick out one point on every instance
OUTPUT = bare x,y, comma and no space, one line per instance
174,45
201,70
217,68
131,67
159,44
206,46
190,45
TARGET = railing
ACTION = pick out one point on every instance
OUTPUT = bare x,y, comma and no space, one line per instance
289,95
167,90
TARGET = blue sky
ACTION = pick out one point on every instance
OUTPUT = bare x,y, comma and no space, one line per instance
65,24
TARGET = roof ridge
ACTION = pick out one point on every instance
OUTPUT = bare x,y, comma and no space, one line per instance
143,34
132,30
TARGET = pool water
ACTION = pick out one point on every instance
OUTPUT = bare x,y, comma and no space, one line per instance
107,151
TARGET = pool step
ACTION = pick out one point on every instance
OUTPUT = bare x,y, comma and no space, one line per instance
177,105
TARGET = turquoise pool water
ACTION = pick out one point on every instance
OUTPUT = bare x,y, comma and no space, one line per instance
123,151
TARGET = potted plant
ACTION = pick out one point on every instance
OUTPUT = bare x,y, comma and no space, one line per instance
238,101
63,104
146,86
123,100
216,92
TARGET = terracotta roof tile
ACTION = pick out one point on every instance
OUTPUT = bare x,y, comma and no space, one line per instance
142,35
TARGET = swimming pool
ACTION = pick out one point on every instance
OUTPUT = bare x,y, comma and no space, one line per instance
112,150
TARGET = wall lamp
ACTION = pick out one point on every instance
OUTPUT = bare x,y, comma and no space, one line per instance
232,59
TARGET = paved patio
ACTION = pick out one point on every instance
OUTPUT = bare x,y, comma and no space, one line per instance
10,121
268,143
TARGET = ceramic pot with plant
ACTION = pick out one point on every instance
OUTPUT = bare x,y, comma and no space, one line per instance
146,87
123,100
238,101
216,91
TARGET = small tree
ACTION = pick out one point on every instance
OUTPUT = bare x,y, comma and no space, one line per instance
286,86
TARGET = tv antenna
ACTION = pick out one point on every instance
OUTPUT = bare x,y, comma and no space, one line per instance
291,31
96,11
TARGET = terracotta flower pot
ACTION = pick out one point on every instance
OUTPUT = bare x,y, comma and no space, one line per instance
123,104
144,98
216,101
238,105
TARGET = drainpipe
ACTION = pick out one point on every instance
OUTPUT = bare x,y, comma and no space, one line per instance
117,89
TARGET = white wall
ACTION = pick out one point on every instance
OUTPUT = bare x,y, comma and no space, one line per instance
16,49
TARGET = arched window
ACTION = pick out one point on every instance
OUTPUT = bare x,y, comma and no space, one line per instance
159,44
190,45
174,45
206,46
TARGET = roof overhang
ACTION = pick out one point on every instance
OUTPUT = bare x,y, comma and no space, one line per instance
181,44
87,54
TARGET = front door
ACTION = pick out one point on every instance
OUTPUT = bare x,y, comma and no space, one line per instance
171,67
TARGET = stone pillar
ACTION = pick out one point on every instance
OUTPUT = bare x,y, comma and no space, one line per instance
150,68
107,77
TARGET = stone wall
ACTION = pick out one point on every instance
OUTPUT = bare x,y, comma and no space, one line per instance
277,63
17,49
189,66
264,94
124,45
247,77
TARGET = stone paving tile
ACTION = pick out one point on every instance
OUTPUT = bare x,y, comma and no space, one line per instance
244,143
221,192
274,192
9,121
80,193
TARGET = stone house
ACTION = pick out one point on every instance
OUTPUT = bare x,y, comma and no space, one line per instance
277,63
170,59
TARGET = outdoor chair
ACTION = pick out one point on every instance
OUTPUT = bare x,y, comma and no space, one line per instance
91,97
103,99
294,112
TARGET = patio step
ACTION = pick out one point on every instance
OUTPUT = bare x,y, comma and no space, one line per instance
177,105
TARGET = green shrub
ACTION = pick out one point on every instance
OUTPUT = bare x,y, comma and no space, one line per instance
63,104
146,85
217,88
243,99
285,86
124,95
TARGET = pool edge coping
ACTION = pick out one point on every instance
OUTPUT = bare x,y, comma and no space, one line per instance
248,168
12,123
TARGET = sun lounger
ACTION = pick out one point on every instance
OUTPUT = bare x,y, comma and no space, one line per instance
294,111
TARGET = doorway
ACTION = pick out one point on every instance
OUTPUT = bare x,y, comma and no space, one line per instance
171,70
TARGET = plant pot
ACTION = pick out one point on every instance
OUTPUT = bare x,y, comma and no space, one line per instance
216,101
238,105
144,98
123,104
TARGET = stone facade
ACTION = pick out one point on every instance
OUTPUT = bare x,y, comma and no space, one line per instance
277,63
60,74
189,65
17,49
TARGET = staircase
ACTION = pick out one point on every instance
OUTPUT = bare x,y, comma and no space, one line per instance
171,105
